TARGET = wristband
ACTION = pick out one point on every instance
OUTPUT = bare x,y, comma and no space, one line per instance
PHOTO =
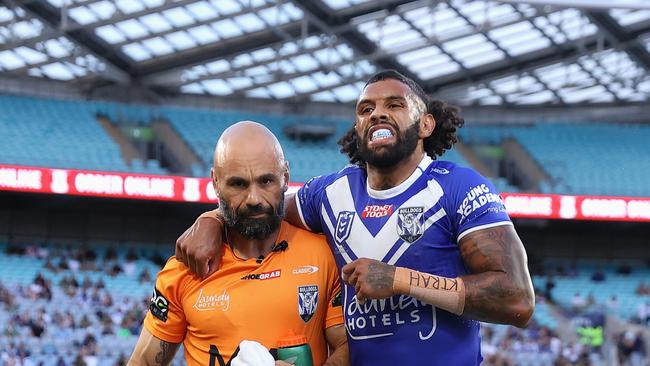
442,292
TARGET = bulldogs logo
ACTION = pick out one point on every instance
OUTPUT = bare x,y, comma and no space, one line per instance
307,301
410,223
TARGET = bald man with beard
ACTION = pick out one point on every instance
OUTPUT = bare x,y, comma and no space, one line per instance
274,278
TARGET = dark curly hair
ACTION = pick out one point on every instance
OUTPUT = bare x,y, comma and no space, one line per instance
444,136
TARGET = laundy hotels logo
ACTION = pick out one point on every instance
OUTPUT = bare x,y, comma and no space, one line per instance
212,302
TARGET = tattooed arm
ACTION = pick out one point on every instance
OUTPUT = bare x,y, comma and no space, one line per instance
499,290
151,351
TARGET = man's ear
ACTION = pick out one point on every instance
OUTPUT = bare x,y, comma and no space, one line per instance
427,125
286,176
213,177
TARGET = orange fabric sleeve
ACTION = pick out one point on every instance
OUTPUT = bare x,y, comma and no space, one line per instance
165,318
334,315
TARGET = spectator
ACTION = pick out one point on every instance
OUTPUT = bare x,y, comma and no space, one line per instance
73,263
612,303
131,256
578,302
631,349
624,269
145,276
598,276
550,284
590,299
643,313
111,254
642,289
115,269
129,267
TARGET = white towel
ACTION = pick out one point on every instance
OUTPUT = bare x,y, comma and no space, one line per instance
252,353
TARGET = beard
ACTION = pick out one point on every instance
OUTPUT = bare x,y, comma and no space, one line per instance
253,228
405,145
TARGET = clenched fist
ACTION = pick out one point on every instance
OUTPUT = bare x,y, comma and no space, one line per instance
371,279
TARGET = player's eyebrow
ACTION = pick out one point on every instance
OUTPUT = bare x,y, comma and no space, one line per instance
236,180
395,98
388,98
267,176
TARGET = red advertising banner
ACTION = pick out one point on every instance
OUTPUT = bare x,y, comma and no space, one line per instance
186,189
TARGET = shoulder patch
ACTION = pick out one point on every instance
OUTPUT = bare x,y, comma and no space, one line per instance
336,301
159,306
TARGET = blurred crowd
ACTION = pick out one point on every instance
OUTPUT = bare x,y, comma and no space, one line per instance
78,321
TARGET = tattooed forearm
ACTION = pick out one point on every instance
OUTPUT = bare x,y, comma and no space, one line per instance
380,276
499,288
166,353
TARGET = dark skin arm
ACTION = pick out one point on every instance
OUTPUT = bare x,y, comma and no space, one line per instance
337,340
152,351
498,290
199,247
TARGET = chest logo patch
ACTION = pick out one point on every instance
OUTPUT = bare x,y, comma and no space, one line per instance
410,223
205,302
307,301
343,226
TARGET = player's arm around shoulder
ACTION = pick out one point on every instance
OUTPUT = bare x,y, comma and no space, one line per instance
499,289
338,345
151,351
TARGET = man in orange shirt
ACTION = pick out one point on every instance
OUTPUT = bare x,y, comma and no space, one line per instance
274,279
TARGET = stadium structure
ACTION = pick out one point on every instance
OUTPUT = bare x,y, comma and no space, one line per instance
110,109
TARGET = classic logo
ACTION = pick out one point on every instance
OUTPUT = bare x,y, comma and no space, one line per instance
263,276
410,223
343,226
305,270
375,211
212,302
307,301
159,306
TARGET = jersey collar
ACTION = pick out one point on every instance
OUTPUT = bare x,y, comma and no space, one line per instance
400,188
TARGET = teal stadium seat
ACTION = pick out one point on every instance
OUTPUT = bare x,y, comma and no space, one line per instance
582,158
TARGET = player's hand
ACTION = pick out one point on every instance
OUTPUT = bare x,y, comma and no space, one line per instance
199,248
282,363
370,278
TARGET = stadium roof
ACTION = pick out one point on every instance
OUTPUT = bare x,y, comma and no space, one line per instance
471,52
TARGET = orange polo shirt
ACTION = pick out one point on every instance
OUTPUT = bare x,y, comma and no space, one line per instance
296,289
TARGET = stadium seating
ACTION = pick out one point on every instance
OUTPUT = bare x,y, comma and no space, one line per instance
579,281
582,158
55,133
20,265
60,134
115,325
201,128
66,134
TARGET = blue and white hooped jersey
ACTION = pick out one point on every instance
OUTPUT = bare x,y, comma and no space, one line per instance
416,225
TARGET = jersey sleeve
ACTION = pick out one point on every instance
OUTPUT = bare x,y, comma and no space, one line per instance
334,314
309,200
165,318
475,203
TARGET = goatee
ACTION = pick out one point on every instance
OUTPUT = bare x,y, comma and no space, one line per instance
405,145
253,228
